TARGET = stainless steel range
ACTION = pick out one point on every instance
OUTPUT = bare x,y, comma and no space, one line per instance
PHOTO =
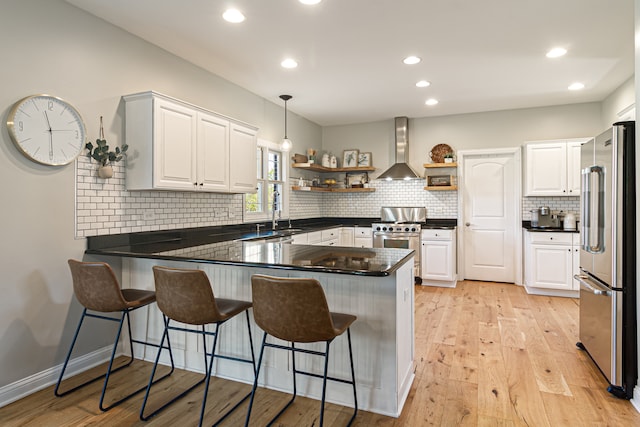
400,227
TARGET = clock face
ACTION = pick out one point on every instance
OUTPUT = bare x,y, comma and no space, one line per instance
47,129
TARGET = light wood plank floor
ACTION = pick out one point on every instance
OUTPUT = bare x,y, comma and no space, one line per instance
487,354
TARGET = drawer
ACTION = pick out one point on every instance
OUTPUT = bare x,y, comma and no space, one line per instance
551,238
437,234
362,232
332,233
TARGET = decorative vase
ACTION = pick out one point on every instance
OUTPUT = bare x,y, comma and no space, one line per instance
105,172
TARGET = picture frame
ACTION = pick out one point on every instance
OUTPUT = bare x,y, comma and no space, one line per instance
350,158
356,179
439,180
364,159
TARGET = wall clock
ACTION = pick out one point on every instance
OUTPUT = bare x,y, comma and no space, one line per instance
47,129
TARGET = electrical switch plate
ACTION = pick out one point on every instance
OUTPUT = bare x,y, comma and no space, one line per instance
148,215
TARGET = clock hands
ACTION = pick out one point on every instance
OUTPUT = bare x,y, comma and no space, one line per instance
50,136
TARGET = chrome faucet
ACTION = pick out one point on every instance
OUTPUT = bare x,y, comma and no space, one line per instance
274,221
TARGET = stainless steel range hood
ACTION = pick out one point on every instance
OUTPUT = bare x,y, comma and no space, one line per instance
401,169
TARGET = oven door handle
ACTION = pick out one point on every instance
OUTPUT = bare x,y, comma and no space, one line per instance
590,286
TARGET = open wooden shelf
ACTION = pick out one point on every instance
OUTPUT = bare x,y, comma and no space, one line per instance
441,165
441,187
333,190
317,168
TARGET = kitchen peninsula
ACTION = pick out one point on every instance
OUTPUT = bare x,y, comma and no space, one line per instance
376,285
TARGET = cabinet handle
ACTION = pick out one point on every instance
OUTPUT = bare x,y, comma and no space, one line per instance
467,224
201,184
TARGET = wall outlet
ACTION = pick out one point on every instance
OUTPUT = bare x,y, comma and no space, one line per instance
148,215
231,214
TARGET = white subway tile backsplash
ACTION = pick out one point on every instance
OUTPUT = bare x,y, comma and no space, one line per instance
106,207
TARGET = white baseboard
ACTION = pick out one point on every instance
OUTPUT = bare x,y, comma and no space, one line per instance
36,382
635,400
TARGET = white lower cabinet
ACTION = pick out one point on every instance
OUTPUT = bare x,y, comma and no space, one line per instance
346,236
358,237
551,260
362,237
300,239
174,145
438,257
330,237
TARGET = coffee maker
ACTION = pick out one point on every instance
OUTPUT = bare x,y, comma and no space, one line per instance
547,219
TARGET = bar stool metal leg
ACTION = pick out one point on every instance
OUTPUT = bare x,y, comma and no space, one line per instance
110,370
208,372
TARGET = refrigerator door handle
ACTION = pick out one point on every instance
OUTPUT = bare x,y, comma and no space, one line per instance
590,286
593,210
585,213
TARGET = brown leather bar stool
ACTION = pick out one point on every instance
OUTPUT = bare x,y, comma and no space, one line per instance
97,289
296,310
186,296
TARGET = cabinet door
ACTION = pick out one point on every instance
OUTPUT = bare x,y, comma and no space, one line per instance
363,242
300,239
174,157
437,260
546,166
552,266
213,153
573,168
242,159
346,236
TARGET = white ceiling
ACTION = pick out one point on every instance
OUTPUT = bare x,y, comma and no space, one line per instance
479,55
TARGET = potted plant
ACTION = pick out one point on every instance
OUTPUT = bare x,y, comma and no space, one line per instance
101,154
448,158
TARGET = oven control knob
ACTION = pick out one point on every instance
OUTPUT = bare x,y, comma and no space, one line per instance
413,229
377,228
406,229
384,228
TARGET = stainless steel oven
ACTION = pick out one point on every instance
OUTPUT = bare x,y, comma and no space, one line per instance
400,228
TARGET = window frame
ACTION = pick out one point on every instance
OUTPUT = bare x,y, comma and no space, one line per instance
266,214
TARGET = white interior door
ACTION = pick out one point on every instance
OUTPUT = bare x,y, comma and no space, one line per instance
491,245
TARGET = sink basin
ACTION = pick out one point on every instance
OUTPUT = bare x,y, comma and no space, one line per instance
288,231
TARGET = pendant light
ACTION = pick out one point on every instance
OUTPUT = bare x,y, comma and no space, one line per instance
286,143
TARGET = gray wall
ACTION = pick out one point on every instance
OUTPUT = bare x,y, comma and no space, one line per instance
467,131
52,47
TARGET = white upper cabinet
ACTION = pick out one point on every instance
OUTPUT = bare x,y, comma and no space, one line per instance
213,153
174,145
242,159
552,168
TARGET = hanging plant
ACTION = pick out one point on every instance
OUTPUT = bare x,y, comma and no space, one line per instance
101,154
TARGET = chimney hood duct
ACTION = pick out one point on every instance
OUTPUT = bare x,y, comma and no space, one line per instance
401,169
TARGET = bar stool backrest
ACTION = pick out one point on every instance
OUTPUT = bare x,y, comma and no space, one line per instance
292,309
185,295
96,287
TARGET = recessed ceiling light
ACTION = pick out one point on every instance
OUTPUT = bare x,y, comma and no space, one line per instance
423,83
576,86
411,60
431,101
233,15
289,63
310,1
556,52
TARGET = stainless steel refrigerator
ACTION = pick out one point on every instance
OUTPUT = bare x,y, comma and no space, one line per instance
608,330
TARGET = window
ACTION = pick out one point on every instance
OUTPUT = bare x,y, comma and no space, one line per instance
271,167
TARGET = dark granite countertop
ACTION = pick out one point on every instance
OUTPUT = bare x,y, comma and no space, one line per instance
224,245
527,226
